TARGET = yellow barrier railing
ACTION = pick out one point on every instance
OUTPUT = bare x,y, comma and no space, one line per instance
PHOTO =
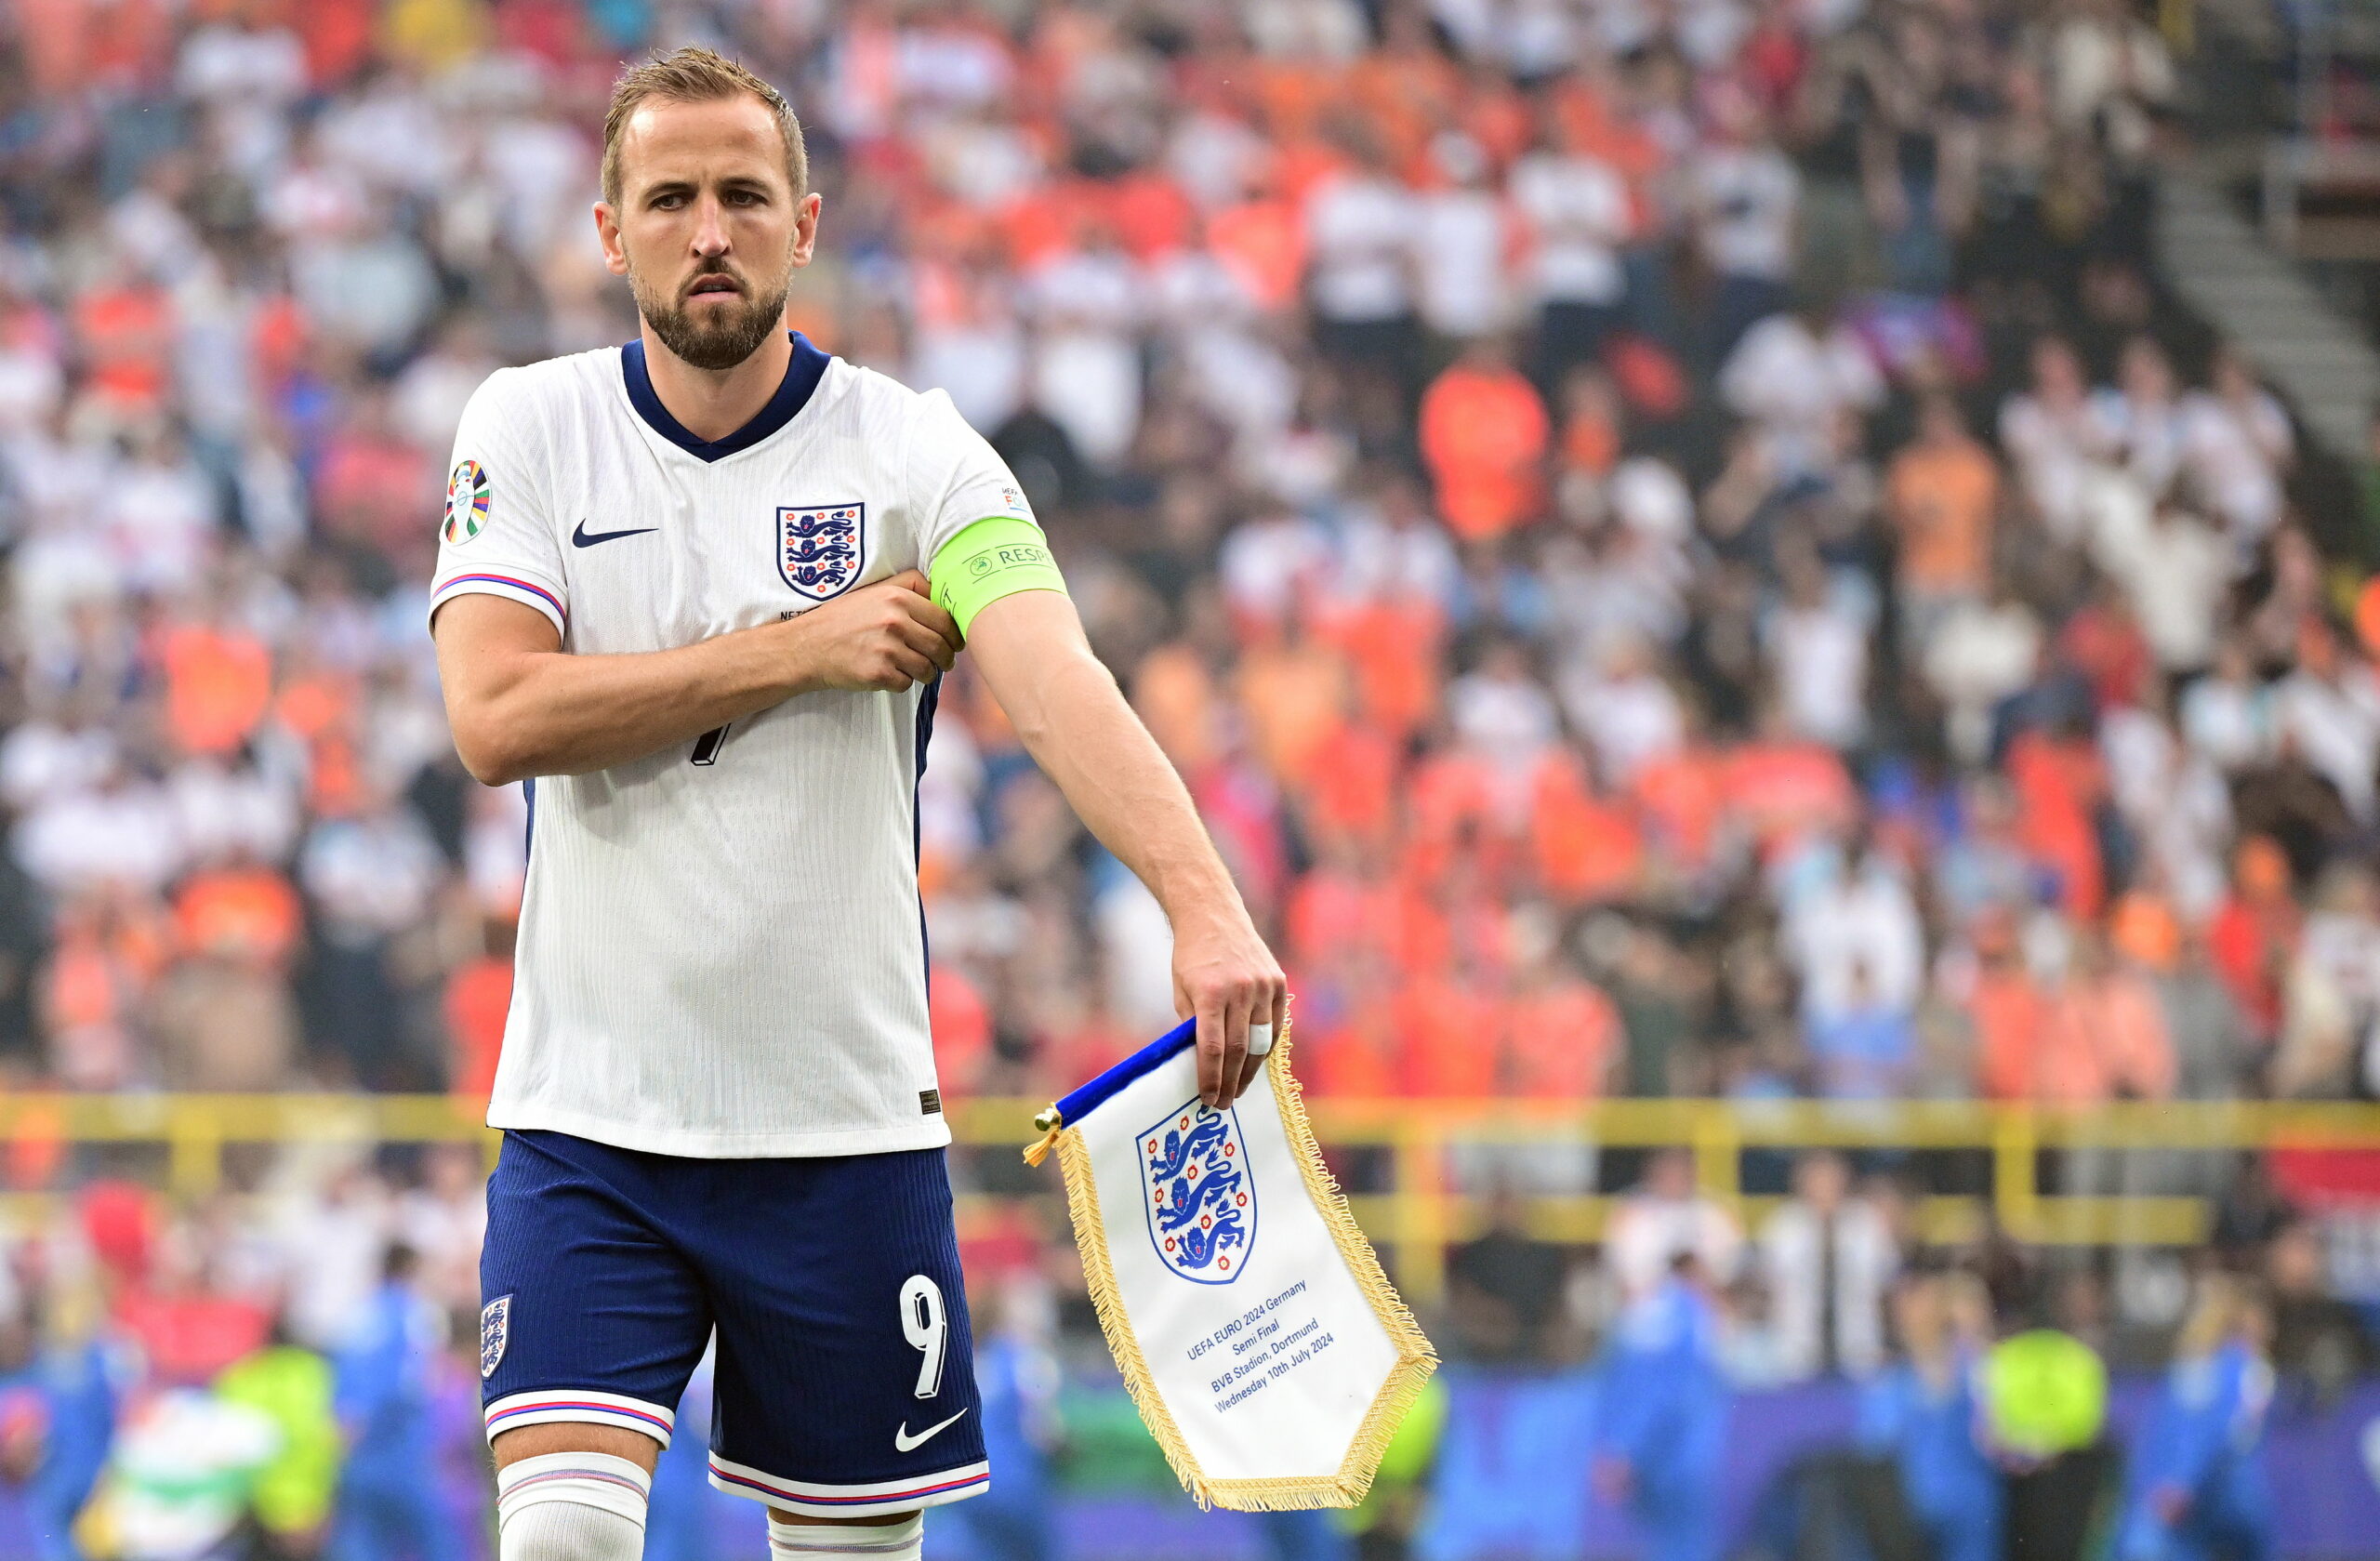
1417,1221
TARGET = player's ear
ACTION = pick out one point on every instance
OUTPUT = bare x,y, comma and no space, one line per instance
805,228
607,232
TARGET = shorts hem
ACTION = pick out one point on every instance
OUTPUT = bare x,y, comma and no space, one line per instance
813,1499
579,1407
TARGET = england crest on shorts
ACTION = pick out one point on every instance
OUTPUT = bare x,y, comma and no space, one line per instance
820,547
1195,1186
496,1331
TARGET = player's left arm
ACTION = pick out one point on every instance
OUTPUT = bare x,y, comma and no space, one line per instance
1064,704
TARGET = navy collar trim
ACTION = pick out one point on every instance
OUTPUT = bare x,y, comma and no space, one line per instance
802,378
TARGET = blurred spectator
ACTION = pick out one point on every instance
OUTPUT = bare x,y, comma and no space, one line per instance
1361,271
1507,1289
2320,1343
1483,435
1663,1219
1923,1414
331,1222
386,1498
2198,1482
1829,1258
2330,992
59,1410
295,1387
443,1222
1746,197
1943,495
1579,215
1658,1448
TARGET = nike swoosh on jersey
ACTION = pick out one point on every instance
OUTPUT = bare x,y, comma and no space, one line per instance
904,1442
582,538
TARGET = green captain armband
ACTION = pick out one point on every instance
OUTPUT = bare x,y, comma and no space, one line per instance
997,556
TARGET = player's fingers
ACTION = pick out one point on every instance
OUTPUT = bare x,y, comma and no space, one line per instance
1271,1009
914,665
944,649
1237,1010
1211,1086
928,643
911,580
928,612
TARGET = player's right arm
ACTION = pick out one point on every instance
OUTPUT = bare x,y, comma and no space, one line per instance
521,706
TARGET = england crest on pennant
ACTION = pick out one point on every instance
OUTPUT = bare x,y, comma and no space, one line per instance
1195,1186
496,1331
821,547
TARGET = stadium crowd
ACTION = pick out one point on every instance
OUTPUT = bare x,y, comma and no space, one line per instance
1682,548
1675,558
1637,618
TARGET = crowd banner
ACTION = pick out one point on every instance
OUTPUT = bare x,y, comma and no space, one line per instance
1266,1350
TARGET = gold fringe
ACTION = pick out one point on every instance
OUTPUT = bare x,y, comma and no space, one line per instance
1415,1357
1099,1271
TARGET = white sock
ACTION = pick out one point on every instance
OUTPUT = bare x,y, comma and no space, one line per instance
825,1541
571,1506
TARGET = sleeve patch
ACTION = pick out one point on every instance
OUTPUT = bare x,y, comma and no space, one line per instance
467,494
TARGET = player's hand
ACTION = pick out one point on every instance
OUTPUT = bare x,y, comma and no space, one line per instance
1224,976
885,637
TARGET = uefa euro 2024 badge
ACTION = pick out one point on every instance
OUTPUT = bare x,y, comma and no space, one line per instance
496,1331
1201,1204
467,492
821,547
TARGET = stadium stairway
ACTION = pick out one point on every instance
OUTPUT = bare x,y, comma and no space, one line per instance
2318,360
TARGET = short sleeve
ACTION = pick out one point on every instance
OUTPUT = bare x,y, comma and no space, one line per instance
496,534
956,478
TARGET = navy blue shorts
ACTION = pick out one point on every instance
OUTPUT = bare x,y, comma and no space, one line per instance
846,1379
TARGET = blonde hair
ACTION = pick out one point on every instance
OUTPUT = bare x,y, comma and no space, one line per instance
696,76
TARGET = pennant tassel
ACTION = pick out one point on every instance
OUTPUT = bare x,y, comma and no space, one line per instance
1039,1150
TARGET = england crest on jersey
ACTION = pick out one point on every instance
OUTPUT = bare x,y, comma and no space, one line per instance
1201,1203
496,1331
821,547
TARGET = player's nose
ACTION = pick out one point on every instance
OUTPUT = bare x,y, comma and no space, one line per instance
710,227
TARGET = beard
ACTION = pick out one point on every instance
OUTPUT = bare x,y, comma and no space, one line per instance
720,337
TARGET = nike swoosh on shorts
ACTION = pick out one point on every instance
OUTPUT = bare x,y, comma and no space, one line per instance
582,538
904,1442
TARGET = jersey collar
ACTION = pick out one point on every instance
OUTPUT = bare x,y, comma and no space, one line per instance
801,376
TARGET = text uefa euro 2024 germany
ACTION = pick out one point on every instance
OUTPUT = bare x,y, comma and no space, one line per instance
1266,1348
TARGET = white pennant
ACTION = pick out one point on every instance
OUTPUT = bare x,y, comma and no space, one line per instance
1267,1353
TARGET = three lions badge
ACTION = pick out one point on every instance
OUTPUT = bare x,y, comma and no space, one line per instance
1201,1206
496,1331
821,547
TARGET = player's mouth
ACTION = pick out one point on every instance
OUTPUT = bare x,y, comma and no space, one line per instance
713,288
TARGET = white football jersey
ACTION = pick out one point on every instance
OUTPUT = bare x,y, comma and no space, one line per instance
722,948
